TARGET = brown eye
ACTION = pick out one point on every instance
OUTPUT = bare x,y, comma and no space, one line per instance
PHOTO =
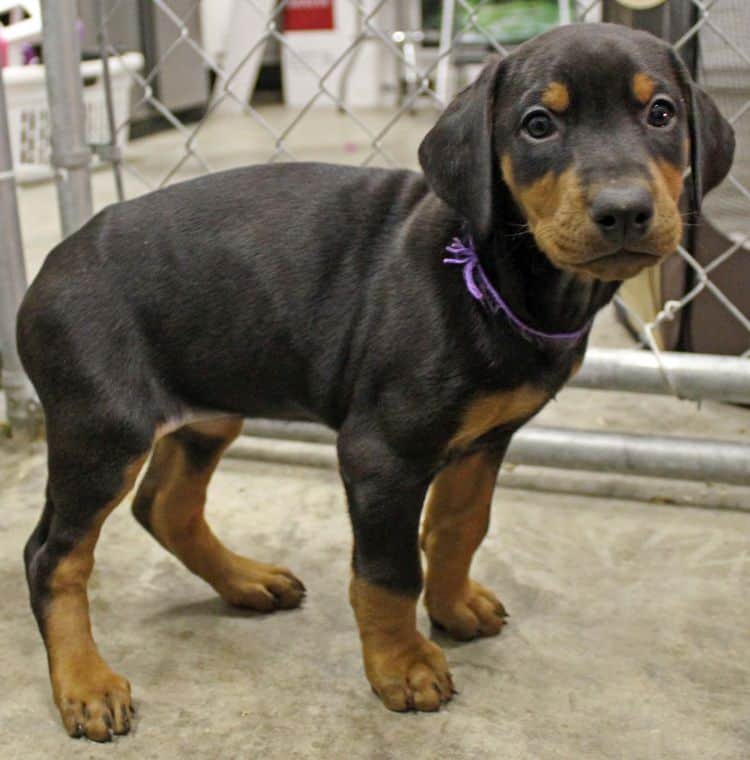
538,125
661,113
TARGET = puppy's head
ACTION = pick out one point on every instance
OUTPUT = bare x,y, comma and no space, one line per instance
589,129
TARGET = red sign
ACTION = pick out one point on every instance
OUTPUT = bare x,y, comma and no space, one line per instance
308,14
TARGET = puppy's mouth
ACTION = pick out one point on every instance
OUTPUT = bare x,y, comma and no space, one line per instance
586,254
618,265
625,255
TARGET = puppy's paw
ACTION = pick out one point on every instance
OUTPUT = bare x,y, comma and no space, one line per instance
97,707
258,586
409,676
474,612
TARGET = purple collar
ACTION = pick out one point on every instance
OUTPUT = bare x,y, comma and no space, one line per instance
478,284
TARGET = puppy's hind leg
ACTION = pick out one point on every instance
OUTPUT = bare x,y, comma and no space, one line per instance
87,480
170,505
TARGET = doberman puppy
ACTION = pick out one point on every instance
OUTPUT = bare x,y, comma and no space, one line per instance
309,291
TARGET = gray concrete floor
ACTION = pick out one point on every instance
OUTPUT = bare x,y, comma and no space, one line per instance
630,619
628,637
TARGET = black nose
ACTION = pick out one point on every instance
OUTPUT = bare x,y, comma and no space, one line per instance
623,213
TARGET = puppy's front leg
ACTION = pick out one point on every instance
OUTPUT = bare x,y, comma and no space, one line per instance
456,521
385,495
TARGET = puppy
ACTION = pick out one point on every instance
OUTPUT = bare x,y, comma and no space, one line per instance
423,317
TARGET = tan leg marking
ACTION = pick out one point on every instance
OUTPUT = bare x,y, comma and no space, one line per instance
406,671
92,699
177,489
456,521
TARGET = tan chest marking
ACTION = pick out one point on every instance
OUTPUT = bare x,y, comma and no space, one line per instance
495,409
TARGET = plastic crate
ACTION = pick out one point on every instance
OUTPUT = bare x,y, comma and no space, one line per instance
28,113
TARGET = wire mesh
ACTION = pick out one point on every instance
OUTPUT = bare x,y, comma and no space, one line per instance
721,29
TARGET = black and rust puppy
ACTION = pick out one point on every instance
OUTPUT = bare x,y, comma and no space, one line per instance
307,291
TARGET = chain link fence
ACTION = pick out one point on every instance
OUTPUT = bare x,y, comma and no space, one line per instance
368,92
425,64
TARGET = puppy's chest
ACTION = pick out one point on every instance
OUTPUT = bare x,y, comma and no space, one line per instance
499,409
508,408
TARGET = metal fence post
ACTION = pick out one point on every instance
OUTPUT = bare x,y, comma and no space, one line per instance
111,151
22,408
70,153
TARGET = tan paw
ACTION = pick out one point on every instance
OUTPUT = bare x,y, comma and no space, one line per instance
411,677
258,586
97,707
476,611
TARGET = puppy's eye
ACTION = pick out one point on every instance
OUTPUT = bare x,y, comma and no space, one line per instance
538,125
661,113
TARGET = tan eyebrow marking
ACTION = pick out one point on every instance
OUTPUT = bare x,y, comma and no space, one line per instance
643,87
556,97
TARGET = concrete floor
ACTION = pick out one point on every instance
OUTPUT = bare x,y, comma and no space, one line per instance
628,636
630,619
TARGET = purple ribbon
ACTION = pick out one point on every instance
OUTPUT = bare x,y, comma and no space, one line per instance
480,287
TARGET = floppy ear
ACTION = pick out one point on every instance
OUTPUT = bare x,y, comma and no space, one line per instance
711,137
457,154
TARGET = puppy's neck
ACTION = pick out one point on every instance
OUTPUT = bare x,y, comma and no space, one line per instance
538,292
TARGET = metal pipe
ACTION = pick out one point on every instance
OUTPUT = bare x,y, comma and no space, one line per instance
22,407
563,11
70,153
632,454
442,74
304,432
626,453
600,484
695,376
112,154
284,452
